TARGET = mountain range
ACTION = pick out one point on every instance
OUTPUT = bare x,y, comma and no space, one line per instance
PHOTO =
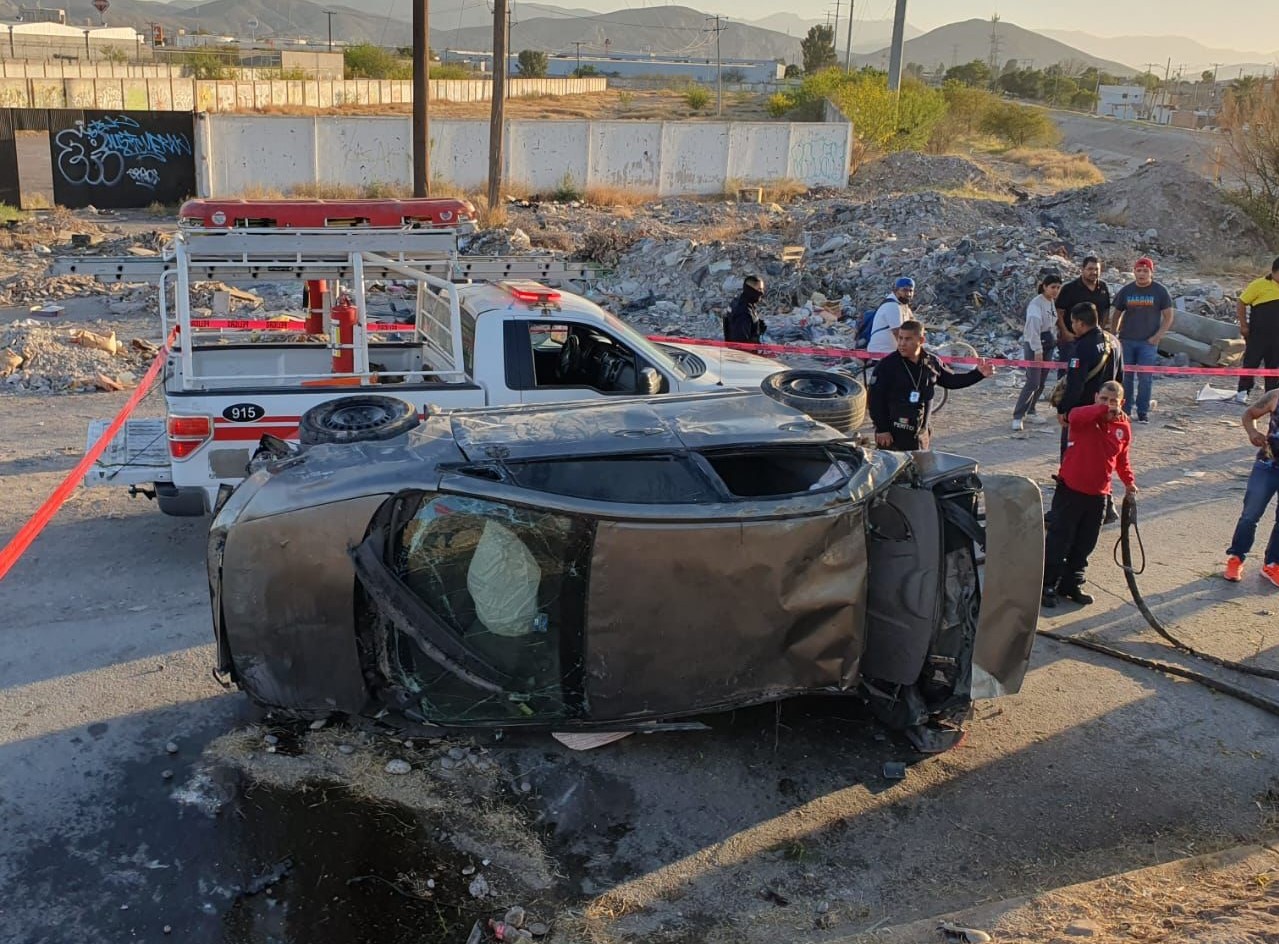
668,30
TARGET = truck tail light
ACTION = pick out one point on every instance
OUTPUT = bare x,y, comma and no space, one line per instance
188,433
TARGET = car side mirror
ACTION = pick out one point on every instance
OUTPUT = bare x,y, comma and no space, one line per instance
650,381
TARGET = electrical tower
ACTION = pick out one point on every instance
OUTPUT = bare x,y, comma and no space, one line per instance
993,62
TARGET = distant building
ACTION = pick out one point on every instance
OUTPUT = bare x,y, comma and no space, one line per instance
633,65
41,15
1121,101
54,40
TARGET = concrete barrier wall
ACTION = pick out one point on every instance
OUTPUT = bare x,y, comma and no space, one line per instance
173,93
238,153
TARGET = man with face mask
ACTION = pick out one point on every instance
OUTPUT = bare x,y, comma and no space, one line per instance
743,324
1100,435
901,390
889,316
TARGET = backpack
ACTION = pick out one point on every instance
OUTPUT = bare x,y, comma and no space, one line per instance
864,326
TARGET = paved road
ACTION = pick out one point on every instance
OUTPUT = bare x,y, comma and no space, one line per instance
1097,766
1118,147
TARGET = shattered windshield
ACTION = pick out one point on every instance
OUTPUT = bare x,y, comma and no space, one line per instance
510,584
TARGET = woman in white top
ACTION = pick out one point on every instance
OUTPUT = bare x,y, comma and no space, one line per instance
1036,345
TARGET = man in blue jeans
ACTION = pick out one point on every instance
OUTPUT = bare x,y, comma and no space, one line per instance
1263,484
1143,315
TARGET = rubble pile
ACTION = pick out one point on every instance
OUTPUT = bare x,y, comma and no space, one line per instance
38,358
909,171
43,231
1175,213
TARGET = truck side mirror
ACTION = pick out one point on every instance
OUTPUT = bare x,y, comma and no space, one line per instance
650,381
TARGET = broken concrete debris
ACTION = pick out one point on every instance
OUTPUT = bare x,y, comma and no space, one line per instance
674,267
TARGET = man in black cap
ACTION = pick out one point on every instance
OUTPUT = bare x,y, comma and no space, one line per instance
743,324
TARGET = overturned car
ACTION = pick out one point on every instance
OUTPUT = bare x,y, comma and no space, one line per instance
620,565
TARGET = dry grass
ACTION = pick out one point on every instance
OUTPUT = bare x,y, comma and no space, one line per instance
604,196
35,201
1057,169
323,190
970,192
257,192
1113,219
488,217
722,232
784,191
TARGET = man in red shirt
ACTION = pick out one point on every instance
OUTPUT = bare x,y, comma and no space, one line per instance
1100,435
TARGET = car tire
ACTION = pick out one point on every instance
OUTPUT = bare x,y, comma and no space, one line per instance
368,418
827,396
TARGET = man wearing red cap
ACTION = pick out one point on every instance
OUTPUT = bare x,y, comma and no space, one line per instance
1143,315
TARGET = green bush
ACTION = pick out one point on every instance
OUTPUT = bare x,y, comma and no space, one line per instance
1020,125
778,104
881,119
207,65
451,70
567,191
367,61
697,97
532,63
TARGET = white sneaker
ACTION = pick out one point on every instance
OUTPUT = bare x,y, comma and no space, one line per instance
1241,396
1018,426
1154,404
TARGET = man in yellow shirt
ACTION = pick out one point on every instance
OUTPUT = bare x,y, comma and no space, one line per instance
1259,328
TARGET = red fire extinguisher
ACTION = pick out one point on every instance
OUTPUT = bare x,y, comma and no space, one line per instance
316,292
344,316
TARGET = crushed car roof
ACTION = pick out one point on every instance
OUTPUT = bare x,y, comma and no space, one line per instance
677,423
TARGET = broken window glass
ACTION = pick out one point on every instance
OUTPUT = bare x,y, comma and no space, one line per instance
510,584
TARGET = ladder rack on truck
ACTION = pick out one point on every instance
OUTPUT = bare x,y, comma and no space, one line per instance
386,310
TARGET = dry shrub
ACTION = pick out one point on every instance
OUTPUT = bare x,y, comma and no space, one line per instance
605,246
258,192
1058,169
35,201
784,191
488,217
724,231
971,192
553,239
617,196
322,190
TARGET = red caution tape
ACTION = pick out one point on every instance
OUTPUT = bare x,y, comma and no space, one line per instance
30,531
837,353
232,324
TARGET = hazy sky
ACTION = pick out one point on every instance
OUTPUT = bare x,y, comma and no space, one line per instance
1231,24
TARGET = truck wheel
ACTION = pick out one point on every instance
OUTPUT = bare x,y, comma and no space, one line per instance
827,396
369,418
180,502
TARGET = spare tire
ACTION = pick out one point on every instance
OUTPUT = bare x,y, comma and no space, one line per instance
829,397
369,418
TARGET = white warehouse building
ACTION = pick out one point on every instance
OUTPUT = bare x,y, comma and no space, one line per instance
1121,101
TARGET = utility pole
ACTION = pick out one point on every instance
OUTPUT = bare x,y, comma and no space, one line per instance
719,84
834,32
496,124
329,14
421,96
579,57
895,52
848,45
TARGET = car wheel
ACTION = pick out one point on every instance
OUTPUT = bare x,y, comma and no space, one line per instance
829,397
369,418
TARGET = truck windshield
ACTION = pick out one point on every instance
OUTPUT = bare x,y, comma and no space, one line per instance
643,346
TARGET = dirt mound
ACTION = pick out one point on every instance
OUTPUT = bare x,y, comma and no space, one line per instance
1178,213
908,171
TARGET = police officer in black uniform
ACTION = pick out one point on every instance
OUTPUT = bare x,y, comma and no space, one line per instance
901,391
1083,379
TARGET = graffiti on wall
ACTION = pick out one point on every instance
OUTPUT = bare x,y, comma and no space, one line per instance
819,161
119,159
